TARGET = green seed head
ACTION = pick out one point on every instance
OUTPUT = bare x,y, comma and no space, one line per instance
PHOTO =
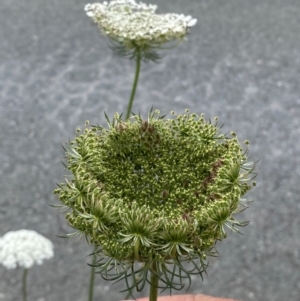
156,191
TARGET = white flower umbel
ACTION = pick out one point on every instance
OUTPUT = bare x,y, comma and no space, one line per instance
137,31
24,248
137,26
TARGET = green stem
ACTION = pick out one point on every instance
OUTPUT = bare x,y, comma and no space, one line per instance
137,258
153,283
136,249
92,277
135,82
24,289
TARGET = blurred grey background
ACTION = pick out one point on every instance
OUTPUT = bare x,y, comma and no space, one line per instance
241,62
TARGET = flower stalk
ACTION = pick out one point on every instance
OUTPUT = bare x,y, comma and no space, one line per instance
24,284
153,283
135,82
92,276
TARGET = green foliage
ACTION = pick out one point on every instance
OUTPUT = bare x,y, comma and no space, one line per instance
155,192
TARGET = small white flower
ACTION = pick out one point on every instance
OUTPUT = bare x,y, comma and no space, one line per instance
137,25
24,248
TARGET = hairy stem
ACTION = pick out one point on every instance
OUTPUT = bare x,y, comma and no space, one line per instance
153,283
135,82
24,288
92,277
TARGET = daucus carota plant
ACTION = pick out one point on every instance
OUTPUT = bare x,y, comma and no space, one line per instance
137,28
152,195
24,248
137,31
155,194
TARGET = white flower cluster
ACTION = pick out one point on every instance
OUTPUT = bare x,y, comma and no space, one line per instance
24,248
137,25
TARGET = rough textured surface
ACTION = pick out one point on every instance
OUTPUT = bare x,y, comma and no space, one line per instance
241,63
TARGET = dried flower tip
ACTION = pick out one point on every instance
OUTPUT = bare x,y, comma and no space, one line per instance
164,194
